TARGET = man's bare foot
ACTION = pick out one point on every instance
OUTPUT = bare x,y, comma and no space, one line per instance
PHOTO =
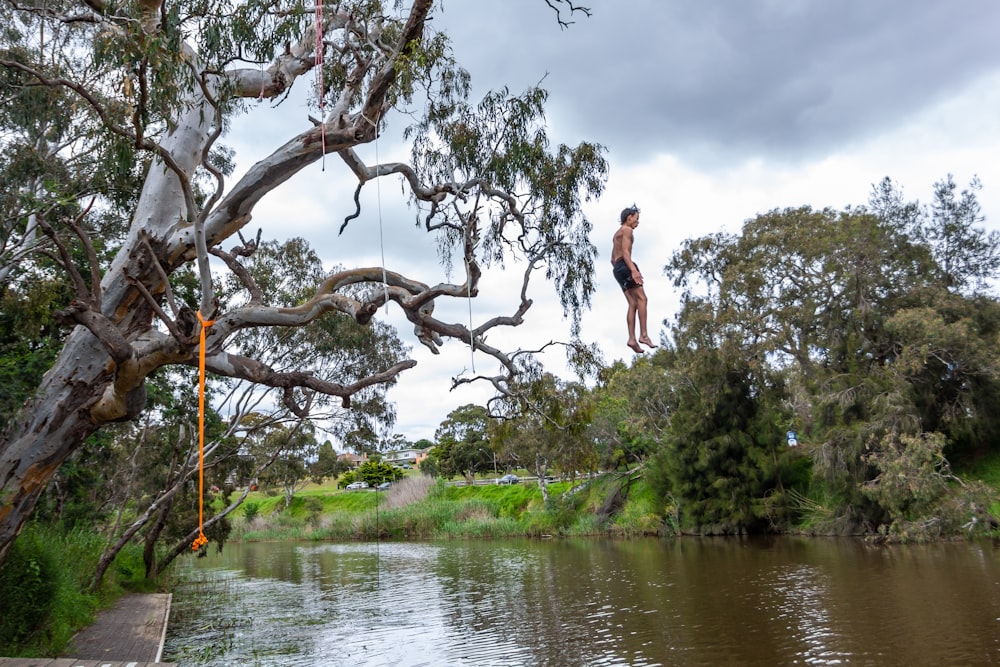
635,346
646,341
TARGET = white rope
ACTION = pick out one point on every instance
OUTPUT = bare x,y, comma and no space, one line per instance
318,28
468,298
381,237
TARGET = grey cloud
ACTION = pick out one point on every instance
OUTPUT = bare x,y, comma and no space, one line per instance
721,80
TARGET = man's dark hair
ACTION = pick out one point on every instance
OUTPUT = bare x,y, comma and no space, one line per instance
628,211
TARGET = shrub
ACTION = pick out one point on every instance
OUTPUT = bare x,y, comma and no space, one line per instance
251,510
314,507
28,590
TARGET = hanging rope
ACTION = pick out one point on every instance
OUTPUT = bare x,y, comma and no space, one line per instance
378,542
468,297
470,233
201,540
381,237
318,28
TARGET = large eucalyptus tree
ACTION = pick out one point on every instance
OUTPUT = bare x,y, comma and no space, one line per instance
120,107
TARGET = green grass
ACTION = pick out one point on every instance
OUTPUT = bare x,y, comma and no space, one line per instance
640,514
510,500
985,468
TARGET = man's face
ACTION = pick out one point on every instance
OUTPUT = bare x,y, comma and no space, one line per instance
632,221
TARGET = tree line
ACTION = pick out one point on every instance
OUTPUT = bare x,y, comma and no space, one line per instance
827,371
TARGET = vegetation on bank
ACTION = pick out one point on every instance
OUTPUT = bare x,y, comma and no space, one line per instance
420,508
46,587
612,504
827,371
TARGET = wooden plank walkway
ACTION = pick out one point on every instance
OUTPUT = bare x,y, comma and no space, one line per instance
129,634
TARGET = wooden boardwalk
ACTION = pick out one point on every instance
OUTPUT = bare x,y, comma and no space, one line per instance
129,634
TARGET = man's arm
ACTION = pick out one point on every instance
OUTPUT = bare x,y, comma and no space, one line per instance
628,236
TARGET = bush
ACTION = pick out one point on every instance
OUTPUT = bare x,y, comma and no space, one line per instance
28,590
314,506
251,510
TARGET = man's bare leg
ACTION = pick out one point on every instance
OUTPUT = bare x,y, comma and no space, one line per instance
643,334
633,307
639,297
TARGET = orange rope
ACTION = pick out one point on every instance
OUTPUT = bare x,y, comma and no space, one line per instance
201,540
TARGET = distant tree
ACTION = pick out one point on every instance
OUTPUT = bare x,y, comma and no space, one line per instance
431,466
631,411
374,473
395,443
967,256
327,464
362,440
463,446
295,446
30,337
548,428
720,464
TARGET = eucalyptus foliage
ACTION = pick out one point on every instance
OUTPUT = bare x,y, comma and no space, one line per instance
869,332
119,196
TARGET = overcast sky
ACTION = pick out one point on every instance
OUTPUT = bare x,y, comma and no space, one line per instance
712,111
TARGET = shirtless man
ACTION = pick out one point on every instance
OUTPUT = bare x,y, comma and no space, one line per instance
628,276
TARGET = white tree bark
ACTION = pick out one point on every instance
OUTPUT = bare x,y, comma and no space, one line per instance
99,376
130,325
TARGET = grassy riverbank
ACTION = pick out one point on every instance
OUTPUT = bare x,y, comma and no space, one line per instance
419,508
613,504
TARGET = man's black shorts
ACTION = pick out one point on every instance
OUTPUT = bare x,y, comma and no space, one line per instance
624,276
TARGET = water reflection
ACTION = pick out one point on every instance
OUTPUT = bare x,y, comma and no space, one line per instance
590,602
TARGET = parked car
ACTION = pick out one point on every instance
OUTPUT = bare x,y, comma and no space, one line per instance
508,479
384,486
357,485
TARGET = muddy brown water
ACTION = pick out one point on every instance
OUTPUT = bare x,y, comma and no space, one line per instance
782,601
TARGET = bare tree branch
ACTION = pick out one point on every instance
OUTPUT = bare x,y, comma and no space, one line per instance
245,368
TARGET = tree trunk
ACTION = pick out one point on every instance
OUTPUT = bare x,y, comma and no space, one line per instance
160,506
49,429
99,377
83,389
149,549
541,469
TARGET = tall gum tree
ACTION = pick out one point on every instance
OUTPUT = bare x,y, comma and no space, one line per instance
154,84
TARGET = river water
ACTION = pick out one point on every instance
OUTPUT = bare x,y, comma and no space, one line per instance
781,601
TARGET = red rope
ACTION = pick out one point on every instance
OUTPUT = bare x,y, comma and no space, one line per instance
201,539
